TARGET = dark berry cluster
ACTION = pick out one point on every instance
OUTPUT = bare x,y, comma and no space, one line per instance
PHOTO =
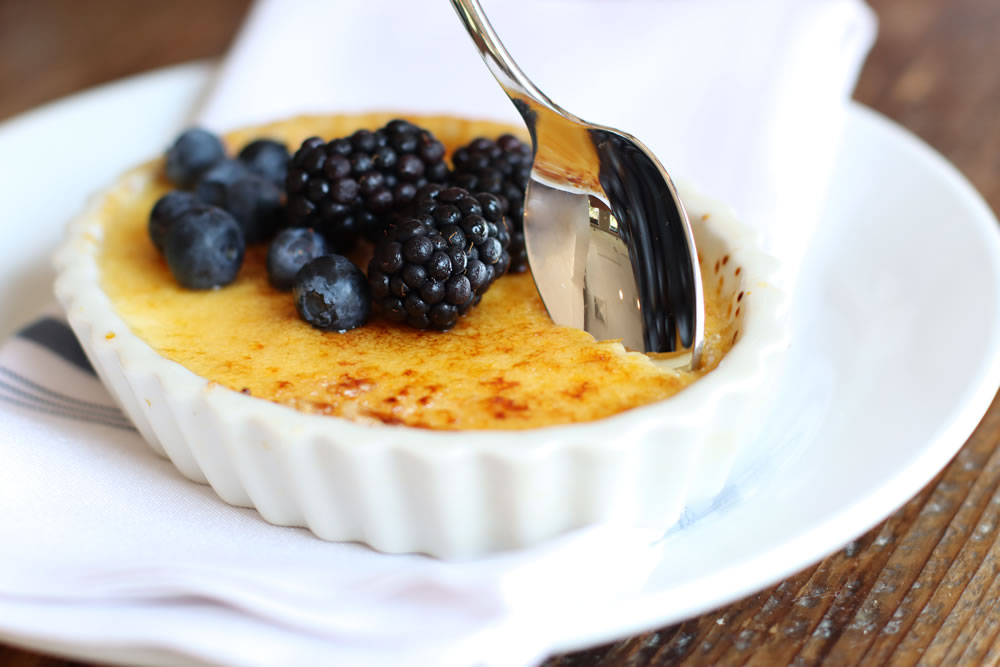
503,168
348,188
438,247
434,266
222,205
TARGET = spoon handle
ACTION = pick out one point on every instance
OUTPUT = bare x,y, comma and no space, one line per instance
510,77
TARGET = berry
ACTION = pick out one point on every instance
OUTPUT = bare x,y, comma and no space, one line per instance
348,188
432,267
289,251
253,200
194,151
267,157
204,247
167,209
331,293
221,174
475,222
502,168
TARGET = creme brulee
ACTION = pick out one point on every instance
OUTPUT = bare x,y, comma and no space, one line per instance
505,365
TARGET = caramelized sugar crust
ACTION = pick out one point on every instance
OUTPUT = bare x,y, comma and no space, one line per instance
503,366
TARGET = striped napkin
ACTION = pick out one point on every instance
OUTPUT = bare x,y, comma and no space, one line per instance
47,348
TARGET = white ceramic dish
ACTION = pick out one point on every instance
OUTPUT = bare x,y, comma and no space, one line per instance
447,494
841,451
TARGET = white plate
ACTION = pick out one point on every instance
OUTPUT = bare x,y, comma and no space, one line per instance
896,357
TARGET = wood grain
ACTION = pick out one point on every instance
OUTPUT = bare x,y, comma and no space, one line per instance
49,48
920,588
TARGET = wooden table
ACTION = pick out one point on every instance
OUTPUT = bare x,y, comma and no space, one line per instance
922,587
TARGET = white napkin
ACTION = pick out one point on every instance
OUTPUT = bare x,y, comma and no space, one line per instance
743,100
104,544
92,521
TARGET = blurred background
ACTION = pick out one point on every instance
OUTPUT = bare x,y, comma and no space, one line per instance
932,68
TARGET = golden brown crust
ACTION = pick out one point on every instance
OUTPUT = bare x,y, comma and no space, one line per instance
504,366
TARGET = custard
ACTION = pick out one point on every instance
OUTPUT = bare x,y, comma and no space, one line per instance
505,365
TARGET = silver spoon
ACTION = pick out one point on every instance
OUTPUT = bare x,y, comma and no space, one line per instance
608,240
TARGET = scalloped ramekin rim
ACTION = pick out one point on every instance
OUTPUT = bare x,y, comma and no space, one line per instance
764,333
739,374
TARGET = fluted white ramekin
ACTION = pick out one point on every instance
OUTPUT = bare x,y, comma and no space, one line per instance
448,494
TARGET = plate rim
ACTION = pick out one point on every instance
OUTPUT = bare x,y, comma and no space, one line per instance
812,546
948,438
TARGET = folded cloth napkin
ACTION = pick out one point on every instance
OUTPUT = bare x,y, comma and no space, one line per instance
92,521
104,544
743,100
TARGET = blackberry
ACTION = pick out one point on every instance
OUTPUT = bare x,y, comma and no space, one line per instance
480,218
289,251
502,168
194,151
349,187
435,265
331,293
204,247
167,209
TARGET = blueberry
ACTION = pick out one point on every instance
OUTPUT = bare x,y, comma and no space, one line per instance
204,248
212,184
332,294
253,200
290,250
194,151
267,157
167,209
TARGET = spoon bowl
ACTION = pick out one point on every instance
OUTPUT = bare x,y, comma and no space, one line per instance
609,243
